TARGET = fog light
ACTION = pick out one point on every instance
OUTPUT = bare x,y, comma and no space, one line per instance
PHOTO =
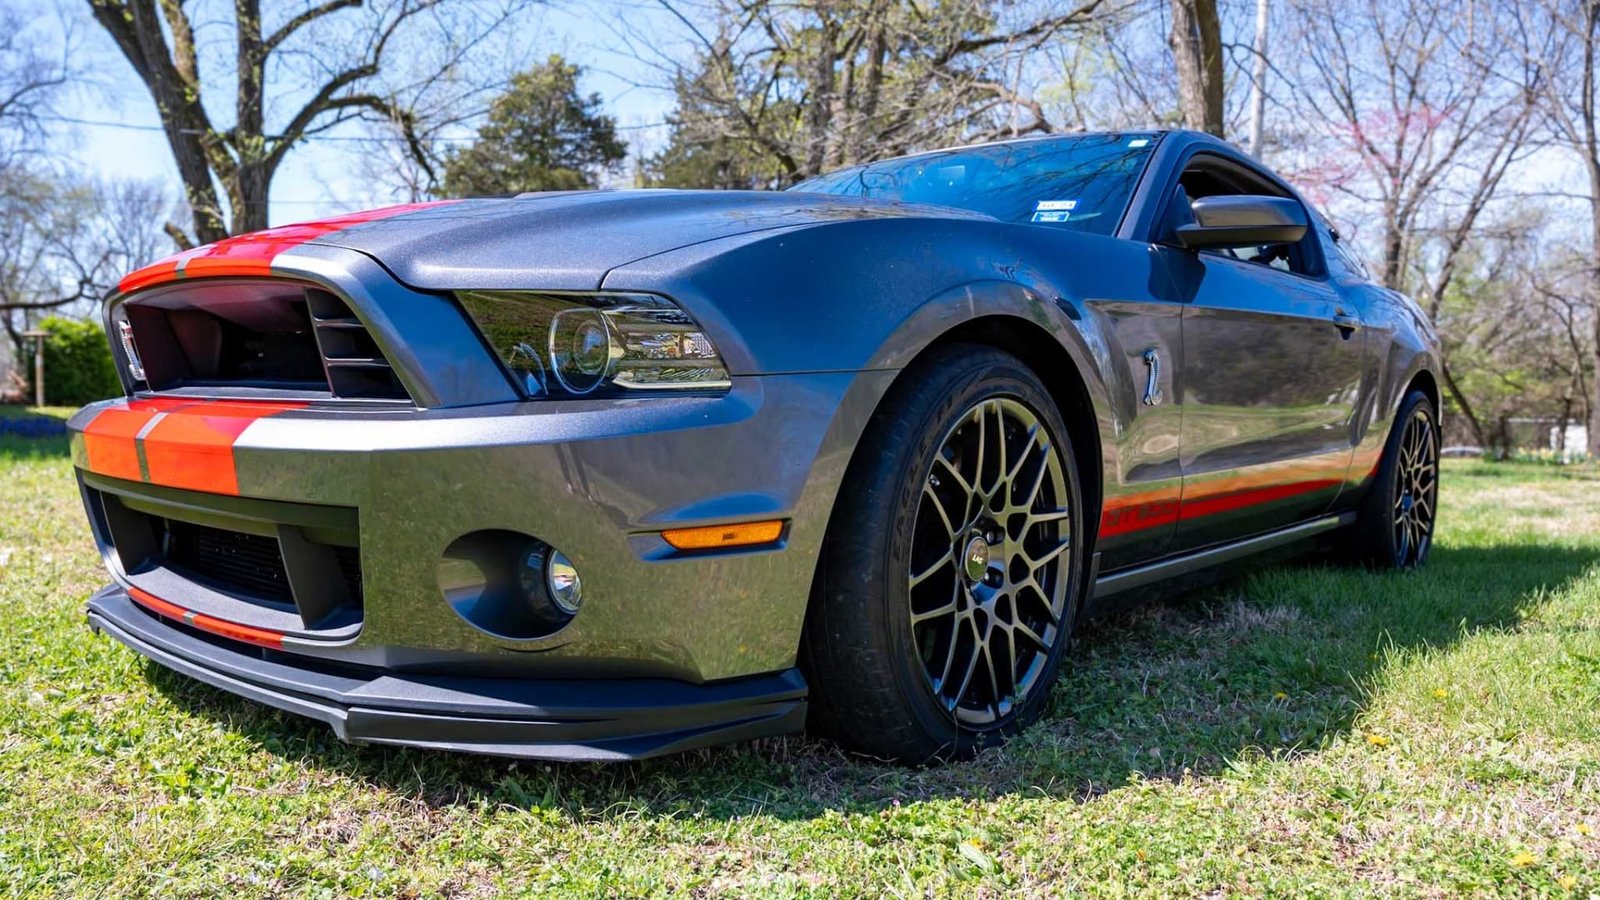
561,576
511,585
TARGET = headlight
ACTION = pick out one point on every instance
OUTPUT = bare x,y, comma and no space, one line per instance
577,345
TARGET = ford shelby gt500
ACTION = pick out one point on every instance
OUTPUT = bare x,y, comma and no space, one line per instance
615,474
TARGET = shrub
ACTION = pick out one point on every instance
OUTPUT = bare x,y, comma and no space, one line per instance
78,367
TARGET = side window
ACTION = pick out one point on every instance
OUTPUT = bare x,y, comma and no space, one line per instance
1207,178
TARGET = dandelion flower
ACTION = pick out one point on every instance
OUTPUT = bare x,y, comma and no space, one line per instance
1280,696
1524,859
1377,740
1567,882
1440,693
1585,829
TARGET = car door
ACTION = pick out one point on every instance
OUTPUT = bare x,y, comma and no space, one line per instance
1272,362
1141,322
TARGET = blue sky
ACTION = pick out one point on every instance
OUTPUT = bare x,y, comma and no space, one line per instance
322,177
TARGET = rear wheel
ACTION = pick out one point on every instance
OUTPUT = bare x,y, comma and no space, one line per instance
952,570
1394,529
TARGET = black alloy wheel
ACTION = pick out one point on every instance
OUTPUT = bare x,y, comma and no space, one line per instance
1416,490
953,566
986,582
1395,524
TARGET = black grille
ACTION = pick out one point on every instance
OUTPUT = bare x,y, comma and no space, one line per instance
260,336
238,563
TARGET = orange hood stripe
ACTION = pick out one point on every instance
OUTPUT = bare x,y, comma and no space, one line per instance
252,254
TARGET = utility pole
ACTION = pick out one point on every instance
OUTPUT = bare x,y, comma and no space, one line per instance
1258,78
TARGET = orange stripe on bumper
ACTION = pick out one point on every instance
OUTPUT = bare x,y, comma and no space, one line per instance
190,447
110,439
193,448
261,637
109,445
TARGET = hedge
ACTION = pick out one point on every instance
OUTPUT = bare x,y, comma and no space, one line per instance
78,367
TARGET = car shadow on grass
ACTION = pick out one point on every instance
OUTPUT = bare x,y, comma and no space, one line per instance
1279,660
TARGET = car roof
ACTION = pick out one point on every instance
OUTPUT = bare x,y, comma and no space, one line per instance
1164,133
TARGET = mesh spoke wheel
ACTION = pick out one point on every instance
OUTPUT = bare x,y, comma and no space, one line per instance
1416,490
988,573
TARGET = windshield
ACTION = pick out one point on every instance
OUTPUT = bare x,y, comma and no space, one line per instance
1081,182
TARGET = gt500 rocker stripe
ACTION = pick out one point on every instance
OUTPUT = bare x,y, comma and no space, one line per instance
174,443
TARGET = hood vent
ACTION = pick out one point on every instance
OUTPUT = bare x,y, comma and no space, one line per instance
356,368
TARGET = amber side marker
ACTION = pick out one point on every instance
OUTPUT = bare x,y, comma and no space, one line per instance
716,537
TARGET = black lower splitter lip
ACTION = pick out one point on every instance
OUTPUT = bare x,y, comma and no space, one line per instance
557,719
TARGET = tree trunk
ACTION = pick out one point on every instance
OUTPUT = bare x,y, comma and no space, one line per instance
1463,407
1591,159
1196,42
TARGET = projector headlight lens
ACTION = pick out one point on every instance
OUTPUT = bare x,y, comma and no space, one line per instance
596,344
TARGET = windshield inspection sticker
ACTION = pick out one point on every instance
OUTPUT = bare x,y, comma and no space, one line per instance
1139,142
1055,205
1050,216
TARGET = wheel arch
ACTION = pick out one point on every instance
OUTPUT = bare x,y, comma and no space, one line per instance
1425,381
1063,378
1056,369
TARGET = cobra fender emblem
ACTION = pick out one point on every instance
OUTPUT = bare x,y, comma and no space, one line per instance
1152,384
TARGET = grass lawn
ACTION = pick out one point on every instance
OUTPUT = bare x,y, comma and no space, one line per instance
1304,730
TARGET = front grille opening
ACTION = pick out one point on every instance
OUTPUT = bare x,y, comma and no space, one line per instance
261,335
302,580
229,561
254,567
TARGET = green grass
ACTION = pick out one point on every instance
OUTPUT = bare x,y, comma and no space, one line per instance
1304,730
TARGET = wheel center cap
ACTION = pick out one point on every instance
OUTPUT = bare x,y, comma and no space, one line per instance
976,558
1406,500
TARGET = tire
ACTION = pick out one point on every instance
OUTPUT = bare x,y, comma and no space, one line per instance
885,686
1395,523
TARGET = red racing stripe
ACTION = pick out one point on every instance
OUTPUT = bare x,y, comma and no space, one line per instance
1212,505
187,443
110,439
1137,512
252,254
192,448
261,637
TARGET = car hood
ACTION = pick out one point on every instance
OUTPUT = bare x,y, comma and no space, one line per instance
569,240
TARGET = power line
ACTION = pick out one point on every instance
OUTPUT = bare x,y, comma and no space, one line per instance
315,138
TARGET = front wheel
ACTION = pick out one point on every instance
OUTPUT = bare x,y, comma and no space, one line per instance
952,570
1394,529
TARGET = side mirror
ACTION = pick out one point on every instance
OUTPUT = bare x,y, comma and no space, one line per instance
1242,221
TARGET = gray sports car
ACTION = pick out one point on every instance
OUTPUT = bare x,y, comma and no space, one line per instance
616,474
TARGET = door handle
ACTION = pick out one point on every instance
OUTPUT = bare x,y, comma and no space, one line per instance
1346,323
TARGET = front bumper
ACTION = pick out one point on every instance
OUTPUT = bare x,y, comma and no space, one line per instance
567,719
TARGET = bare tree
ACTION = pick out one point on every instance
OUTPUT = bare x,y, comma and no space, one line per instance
1196,41
793,89
1562,34
1414,112
29,79
331,52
